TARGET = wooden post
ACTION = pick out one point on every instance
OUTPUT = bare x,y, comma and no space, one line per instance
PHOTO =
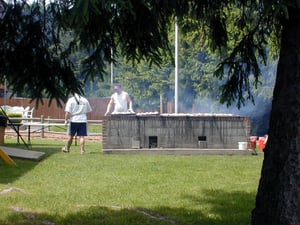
42,130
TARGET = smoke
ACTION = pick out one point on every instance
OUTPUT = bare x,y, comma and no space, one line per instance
259,112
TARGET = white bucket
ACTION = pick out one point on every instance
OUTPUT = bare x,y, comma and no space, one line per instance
243,145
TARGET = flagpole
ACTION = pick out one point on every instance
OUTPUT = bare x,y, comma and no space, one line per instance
111,69
176,66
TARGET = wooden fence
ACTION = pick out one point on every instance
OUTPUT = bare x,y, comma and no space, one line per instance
54,111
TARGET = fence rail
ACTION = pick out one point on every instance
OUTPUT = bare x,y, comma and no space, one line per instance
52,110
43,125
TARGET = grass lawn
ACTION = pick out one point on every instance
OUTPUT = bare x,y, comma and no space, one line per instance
102,189
92,128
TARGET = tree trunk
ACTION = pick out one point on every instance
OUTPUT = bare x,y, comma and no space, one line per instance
278,197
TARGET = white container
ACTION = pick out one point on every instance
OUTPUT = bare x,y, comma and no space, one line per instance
243,145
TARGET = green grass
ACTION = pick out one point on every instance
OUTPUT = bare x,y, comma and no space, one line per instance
93,128
102,189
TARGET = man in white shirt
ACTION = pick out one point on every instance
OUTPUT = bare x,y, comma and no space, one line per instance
76,111
120,100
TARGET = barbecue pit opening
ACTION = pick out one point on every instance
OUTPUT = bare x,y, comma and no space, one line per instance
202,142
152,141
202,138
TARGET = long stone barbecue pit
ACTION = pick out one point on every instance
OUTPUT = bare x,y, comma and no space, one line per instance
174,131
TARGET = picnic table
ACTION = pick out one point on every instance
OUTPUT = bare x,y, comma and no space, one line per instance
29,125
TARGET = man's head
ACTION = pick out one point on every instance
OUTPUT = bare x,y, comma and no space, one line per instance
118,88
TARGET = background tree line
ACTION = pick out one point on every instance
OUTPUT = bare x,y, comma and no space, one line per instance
244,34
150,84
198,87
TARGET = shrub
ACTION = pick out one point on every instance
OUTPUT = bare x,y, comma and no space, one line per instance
14,117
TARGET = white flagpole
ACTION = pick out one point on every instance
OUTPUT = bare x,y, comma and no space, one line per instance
176,66
111,69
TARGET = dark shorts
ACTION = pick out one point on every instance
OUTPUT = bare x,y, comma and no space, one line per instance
78,129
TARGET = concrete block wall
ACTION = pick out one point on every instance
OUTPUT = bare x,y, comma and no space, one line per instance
120,133
206,132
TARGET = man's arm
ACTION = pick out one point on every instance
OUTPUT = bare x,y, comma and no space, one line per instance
67,117
129,102
109,106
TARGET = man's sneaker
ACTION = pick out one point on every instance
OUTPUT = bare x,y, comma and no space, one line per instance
65,150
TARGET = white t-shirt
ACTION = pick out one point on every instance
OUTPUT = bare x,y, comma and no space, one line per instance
78,108
120,102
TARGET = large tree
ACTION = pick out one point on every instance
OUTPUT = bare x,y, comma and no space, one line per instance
31,55
278,198
242,37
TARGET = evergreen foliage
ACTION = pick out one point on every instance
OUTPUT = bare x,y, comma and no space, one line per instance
34,60
48,36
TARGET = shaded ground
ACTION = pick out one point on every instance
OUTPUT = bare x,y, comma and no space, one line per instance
48,135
